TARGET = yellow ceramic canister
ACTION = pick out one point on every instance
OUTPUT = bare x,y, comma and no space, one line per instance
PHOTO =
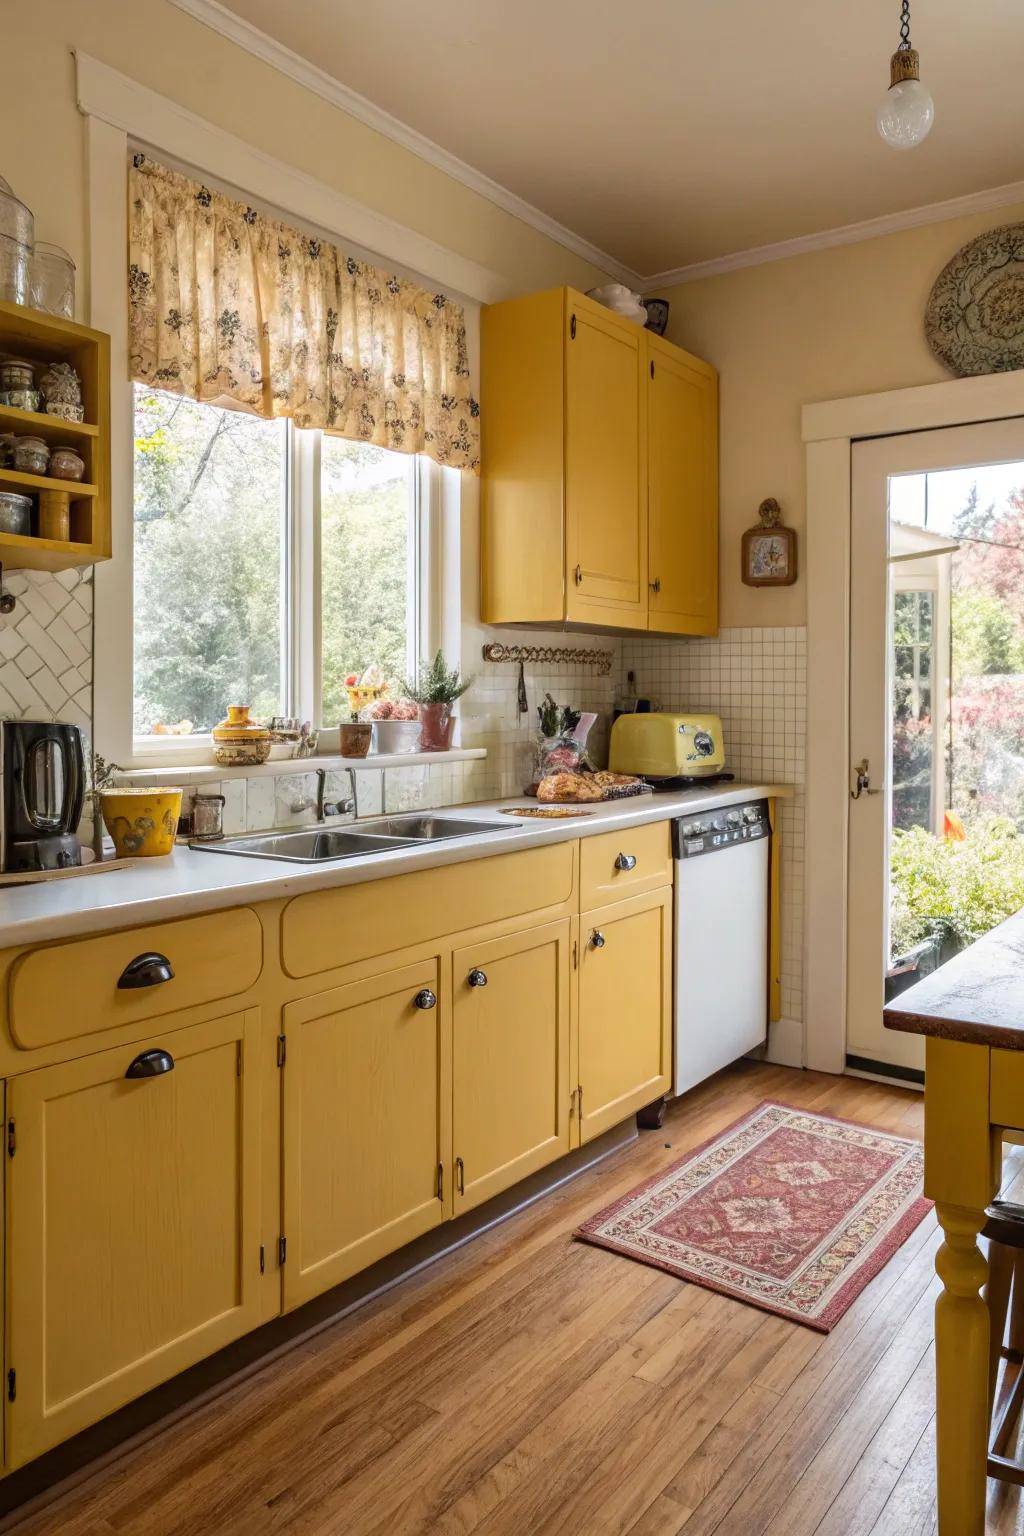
142,822
238,741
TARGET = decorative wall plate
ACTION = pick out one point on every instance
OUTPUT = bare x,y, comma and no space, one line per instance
974,320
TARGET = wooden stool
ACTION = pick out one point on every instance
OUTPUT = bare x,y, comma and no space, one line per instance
1004,1296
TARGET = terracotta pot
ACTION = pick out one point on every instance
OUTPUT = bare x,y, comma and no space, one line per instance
354,738
436,725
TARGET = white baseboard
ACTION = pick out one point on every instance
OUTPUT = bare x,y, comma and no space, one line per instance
786,1043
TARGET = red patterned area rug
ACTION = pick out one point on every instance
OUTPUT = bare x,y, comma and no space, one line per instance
789,1211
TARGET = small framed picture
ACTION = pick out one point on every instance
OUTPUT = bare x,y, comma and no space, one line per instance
769,551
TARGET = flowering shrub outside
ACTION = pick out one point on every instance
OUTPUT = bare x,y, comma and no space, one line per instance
955,890
987,748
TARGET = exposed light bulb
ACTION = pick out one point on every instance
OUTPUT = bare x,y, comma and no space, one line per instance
906,112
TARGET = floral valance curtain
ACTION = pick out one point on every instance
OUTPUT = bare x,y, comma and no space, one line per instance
231,306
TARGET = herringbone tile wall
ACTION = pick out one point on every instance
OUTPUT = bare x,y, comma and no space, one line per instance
46,647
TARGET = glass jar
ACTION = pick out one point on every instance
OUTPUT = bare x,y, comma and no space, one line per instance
66,463
15,513
17,232
52,280
31,455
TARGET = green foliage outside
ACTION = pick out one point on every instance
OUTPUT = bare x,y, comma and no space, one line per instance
986,635
209,498
954,889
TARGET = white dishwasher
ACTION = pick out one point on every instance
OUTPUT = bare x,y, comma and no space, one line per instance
721,938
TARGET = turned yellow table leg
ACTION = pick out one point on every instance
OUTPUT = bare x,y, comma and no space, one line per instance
961,1374
962,1159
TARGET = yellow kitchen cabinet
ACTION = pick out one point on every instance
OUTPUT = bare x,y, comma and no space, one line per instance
367,1124
599,471
682,450
624,1009
511,1091
132,1222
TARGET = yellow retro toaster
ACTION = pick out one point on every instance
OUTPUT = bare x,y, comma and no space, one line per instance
661,746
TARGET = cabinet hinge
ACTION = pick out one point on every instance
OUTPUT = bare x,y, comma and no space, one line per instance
238,1059
440,1181
12,1139
572,329
282,1249
263,1260
575,954
282,1049
12,1385
579,1102
652,367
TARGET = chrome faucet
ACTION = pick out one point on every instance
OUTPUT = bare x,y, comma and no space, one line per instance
325,807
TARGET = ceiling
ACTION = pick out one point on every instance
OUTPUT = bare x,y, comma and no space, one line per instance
669,132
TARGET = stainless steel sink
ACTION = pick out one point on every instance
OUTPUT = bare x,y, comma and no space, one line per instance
318,845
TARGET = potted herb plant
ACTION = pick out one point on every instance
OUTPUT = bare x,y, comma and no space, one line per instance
435,692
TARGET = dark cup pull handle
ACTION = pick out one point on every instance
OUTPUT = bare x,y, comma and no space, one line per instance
477,978
151,1064
626,861
150,970
425,999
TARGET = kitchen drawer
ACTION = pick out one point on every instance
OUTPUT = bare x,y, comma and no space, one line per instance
1006,1089
619,864
327,929
66,991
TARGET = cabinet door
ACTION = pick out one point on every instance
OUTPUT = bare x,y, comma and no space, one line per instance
605,471
625,1009
682,460
511,1060
367,1093
132,1223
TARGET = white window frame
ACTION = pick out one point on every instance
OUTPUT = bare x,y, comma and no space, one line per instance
118,111
301,591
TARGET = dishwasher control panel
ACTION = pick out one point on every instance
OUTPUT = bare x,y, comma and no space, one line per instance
715,830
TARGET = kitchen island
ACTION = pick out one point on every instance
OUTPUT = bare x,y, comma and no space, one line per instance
972,1013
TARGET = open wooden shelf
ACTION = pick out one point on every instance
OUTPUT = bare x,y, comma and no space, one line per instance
27,333
52,429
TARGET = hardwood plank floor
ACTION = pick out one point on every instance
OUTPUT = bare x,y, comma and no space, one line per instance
528,1385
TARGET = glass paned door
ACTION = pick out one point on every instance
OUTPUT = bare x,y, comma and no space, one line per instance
936,712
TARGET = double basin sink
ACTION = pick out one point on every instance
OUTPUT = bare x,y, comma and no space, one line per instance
317,845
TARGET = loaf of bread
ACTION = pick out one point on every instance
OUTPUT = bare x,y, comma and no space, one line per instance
579,787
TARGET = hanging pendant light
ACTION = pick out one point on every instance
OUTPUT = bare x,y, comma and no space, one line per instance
907,111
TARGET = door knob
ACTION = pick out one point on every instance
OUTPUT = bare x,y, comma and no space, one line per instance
150,970
425,999
477,978
150,1064
578,575
597,939
626,861
862,780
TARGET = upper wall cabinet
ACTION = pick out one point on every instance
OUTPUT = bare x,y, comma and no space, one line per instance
600,471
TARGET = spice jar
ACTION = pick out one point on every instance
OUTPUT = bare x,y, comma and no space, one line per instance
66,463
16,375
31,455
207,822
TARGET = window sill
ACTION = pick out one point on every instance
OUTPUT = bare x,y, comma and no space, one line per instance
205,773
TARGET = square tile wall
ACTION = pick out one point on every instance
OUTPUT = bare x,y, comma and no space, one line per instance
756,679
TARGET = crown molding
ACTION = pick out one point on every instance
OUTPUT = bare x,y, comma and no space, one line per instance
844,234
216,16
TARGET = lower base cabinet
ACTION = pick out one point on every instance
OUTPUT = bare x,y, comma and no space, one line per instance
132,1223
625,1009
367,1124
511,1060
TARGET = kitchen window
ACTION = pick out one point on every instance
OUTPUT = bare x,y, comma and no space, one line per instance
268,564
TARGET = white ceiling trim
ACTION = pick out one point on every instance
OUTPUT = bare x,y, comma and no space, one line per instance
844,234
216,16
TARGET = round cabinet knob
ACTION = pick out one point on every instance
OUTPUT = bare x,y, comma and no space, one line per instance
626,861
597,939
477,978
425,999
734,818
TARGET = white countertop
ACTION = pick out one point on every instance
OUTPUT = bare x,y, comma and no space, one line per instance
192,880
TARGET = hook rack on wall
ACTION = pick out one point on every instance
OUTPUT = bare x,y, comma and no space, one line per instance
547,656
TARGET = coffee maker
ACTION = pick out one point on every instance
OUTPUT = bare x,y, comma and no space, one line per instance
42,770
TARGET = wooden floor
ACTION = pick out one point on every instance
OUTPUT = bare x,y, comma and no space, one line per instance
528,1385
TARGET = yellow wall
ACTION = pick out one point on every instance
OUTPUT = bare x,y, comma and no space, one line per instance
41,134
845,321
